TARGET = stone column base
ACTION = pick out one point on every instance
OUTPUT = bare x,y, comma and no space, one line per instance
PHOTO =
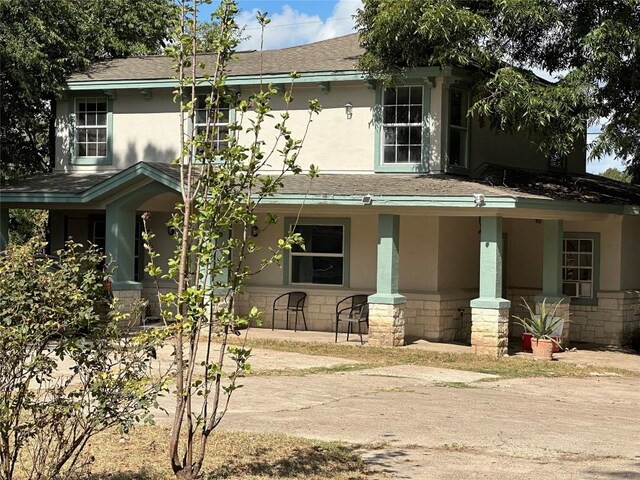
131,307
386,325
564,312
490,331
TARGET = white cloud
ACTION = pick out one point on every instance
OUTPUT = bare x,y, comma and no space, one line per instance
291,27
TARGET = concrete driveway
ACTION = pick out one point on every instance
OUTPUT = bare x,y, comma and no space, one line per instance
420,422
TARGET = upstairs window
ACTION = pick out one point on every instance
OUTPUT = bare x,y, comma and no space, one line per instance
458,128
557,161
218,127
91,132
402,125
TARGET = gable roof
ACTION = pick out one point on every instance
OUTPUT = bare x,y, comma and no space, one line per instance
333,55
83,187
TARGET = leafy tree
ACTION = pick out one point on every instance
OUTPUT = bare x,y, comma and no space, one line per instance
67,373
592,47
45,41
615,174
27,224
221,189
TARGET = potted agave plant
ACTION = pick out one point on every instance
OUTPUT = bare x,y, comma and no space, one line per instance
542,327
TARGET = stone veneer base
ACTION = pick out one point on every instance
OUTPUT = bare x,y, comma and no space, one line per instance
386,325
489,331
129,301
431,316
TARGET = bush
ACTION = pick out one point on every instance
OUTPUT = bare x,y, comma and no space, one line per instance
67,373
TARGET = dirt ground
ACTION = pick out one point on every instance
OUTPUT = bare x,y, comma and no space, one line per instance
428,423
416,422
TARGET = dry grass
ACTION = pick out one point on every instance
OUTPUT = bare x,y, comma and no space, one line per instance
232,455
504,367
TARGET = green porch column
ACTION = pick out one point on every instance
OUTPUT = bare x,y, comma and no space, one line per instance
120,221
386,306
490,312
552,259
120,245
4,228
553,237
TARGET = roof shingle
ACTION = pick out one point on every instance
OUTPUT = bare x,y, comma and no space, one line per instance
496,181
333,55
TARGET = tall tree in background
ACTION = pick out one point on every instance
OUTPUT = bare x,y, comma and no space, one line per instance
45,41
615,174
592,46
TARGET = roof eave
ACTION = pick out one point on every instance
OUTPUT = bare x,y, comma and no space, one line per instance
232,80
463,201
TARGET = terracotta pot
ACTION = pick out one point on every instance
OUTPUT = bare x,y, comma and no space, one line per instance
542,348
526,343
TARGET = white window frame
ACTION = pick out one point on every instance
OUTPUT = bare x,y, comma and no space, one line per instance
408,125
83,127
221,124
593,268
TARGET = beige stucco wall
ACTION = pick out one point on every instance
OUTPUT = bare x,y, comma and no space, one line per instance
143,130
418,254
458,254
333,142
162,243
363,234
523,253
513,150
630,251
418,269
148,129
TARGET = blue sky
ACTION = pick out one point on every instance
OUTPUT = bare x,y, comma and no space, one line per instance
297,22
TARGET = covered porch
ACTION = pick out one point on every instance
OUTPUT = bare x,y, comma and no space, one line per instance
457,268
440,258
103,208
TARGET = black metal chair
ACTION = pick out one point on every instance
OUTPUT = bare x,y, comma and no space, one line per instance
352,309
295,303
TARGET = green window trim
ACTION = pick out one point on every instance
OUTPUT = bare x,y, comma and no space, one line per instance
595,237
423,166
290,222
89,160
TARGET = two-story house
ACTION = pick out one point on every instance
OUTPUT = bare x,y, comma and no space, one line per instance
443,221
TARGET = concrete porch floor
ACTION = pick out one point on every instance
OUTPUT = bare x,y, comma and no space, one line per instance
354,339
